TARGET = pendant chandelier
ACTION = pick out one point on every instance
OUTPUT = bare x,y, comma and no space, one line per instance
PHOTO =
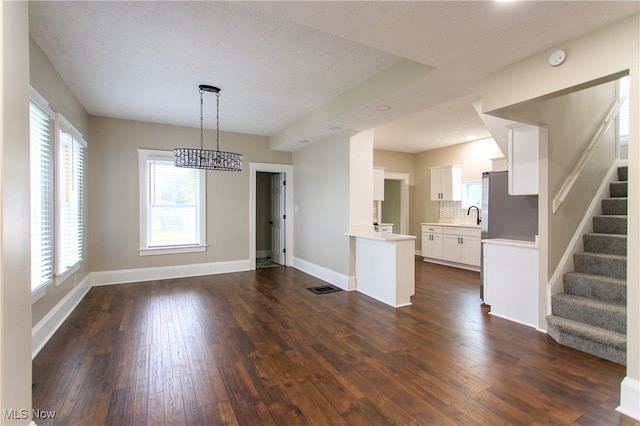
204,158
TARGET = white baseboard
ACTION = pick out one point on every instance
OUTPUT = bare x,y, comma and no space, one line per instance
514,320
630,398
167,272
47,326
332,277
452,264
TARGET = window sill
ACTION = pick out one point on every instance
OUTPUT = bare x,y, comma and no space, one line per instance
171,250
60,278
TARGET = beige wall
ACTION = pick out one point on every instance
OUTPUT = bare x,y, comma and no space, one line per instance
113,193
321,192
571,121
15,293
46,80
474,157
400,162
595,57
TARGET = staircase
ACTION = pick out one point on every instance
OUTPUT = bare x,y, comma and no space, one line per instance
591,314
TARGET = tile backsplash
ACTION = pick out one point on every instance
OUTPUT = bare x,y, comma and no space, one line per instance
452,211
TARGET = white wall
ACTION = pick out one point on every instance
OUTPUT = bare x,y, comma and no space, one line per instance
361,181
15,287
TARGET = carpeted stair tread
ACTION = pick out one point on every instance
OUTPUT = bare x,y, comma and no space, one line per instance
605,243
607,315
609,265
618,189
623,173
614,206
586,338
610,224
591,314
597,287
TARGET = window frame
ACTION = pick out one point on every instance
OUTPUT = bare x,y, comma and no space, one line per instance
41,103
144,155
62,125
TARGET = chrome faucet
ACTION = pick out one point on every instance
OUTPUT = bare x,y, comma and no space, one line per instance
478,220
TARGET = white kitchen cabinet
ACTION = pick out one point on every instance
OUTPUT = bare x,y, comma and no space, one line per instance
523,159
378,184
461,245
432,241
446,183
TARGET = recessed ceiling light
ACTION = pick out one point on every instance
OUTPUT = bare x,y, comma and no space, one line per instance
335,128
383,108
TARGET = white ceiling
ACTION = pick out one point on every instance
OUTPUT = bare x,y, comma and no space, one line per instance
279,63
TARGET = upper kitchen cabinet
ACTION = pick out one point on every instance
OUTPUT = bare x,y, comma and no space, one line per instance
446,183
524,141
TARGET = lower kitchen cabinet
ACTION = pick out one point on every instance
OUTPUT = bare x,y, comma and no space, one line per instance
432,242
458,246
461,245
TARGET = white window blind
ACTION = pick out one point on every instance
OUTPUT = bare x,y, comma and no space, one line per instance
42,203
172,210
70,196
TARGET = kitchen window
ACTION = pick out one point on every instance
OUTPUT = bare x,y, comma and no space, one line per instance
472,194
172,205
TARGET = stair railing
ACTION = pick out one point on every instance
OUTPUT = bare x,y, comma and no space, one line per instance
586,154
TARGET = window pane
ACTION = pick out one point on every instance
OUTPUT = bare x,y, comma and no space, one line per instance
472,194
173,205
70,201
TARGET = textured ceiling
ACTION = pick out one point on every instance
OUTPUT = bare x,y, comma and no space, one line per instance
281,65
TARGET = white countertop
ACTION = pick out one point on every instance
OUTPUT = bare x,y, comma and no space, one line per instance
514,243
456,224
381,236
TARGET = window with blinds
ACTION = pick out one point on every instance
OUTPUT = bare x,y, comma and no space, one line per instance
70,193
172,205
42,203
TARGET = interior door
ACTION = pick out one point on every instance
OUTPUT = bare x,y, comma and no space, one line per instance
277,218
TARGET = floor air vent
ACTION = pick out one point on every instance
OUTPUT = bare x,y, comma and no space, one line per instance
324,289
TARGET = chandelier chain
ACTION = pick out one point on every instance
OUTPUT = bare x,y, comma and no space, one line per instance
201,121
218,121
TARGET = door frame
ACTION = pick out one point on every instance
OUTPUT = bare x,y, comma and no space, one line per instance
287,169
404,199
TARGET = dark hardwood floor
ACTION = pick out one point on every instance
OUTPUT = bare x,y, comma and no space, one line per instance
258,348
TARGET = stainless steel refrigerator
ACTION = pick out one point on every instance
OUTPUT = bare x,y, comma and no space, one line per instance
513,217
